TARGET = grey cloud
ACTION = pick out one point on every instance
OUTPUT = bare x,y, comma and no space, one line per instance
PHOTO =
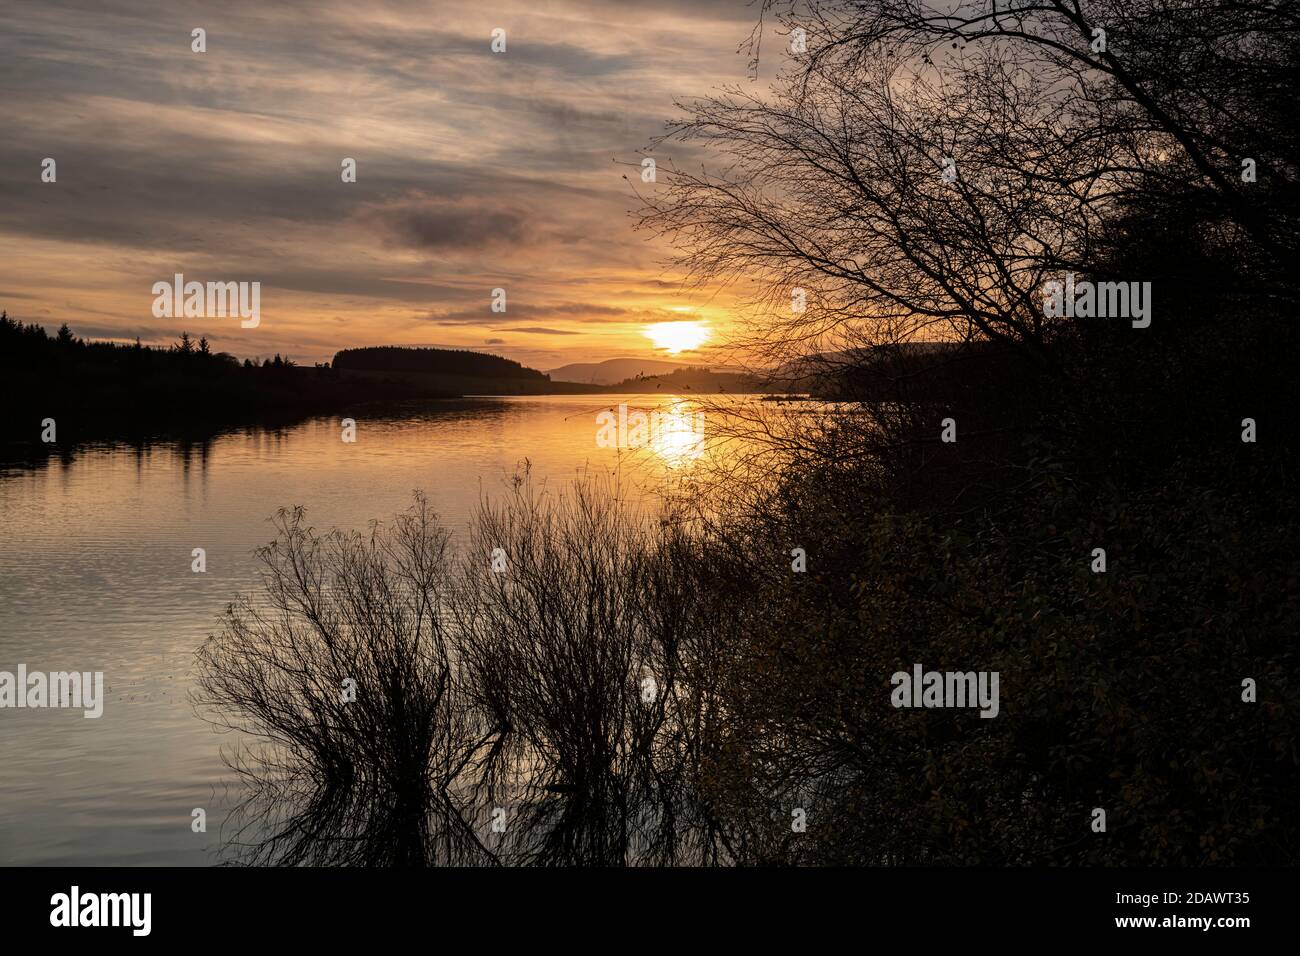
432,224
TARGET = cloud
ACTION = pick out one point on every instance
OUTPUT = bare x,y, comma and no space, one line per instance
436,224
475,170
539,330
580,312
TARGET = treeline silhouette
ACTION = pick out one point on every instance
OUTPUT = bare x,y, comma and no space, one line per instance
106,389
692,379
433,361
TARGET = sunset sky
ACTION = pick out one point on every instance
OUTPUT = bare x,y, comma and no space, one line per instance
475,170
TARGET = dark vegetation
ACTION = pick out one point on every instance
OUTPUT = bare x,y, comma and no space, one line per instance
1123,690
469,373
433,361
106,390
693,380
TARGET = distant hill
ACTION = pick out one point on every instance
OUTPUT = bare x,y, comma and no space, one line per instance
428,361
612,371
456,371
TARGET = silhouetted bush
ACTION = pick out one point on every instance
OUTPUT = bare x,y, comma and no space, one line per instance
566,699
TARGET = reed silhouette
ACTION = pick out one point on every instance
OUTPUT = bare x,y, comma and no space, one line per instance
560,698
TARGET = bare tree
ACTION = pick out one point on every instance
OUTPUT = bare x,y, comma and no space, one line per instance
922,168
1204,84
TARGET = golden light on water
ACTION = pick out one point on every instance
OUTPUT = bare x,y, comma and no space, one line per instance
678,436
677,337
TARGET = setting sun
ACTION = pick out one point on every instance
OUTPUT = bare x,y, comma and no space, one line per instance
675,337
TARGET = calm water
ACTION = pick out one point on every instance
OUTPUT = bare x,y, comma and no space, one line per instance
95,575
